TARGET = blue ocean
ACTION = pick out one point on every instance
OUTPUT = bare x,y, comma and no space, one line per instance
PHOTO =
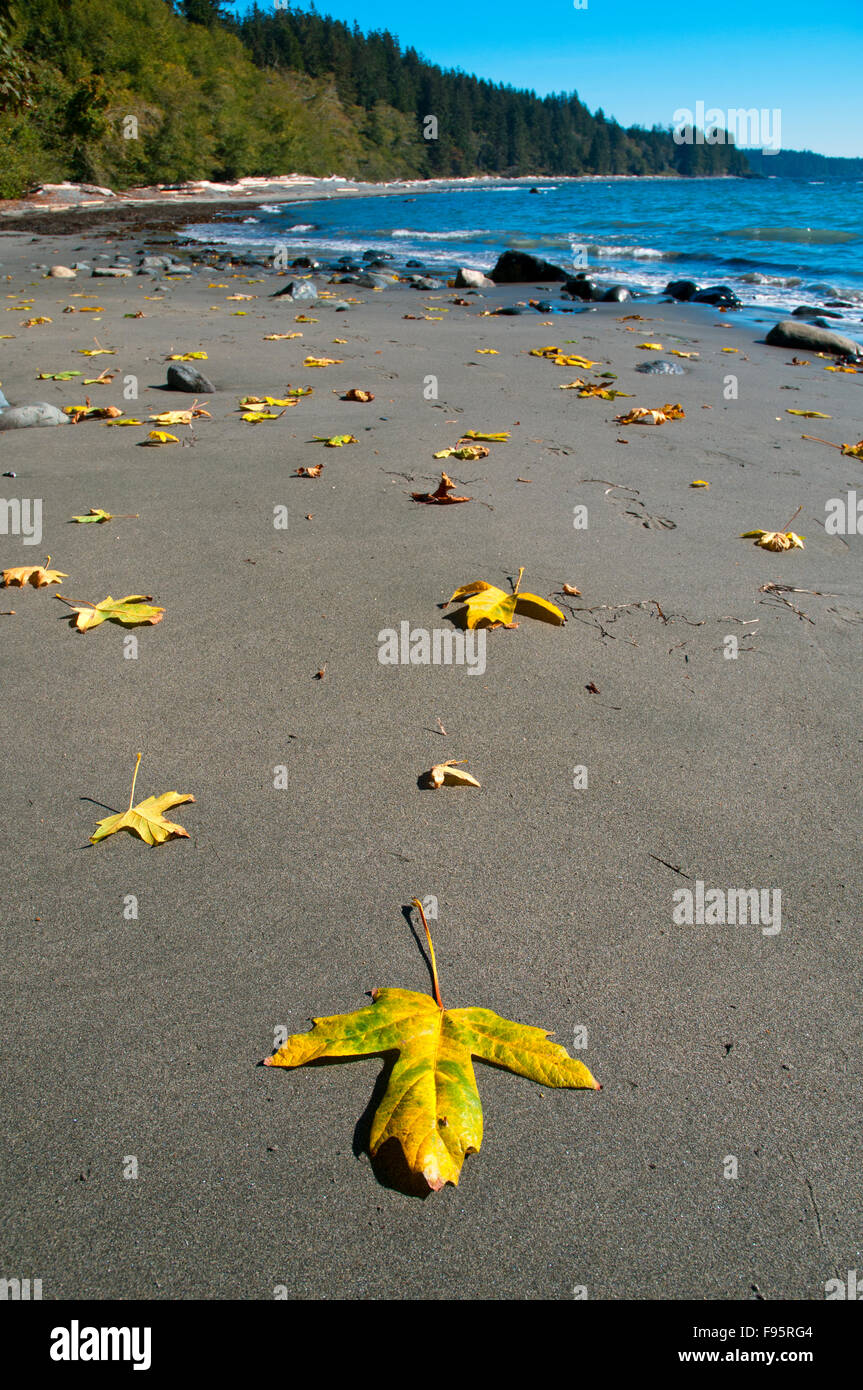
777,242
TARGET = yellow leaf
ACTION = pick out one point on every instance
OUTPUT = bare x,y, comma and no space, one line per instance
488,352
488,606
775,540
449,774
156,437
322,362
277,337
334,441
809,414
653,347
147,819
699,482
431,1108
257,417
32,574
133,611
486,438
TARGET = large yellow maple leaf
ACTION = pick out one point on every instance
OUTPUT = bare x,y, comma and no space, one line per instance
431,1106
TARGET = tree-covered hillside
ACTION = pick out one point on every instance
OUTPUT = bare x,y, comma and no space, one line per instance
211,96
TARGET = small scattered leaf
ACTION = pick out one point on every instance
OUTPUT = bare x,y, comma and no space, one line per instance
449,774
488,606
442,493
157,437
133,611
32,574
147,819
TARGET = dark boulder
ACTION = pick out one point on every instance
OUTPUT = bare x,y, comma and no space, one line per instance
718,295
617,294
517,267
581,288
791,333
809,311
681,289
183,376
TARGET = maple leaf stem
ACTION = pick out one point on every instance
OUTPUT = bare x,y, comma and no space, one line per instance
419,907
791,518
818,440
518,581
134,780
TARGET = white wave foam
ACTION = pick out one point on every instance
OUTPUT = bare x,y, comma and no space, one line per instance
467,235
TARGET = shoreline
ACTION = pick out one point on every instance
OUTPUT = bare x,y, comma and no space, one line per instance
131,207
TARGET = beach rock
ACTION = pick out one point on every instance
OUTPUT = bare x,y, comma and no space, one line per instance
154,262
425,282
618,294
718,295
296,290
473,279
516,267
542,306
791,333
414,265
369,280
82,265
509,310
114,272
659,368
183,376
178,268
305,263
377,256
581,288
681,289
808,311
341,306
62,272
4,404
23,417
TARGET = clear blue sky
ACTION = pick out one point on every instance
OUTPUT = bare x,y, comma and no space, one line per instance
641,60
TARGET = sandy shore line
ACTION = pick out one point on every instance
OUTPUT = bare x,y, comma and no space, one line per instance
64,211
555,901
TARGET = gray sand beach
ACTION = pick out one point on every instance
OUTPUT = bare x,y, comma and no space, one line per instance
141,1037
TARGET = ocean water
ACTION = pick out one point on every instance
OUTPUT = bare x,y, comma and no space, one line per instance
777,242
